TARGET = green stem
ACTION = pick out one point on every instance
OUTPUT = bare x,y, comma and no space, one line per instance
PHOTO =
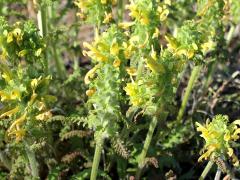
194,75
43,27
120,10
5,160
32,162
141,160
206,170
97,157
230,34
59,64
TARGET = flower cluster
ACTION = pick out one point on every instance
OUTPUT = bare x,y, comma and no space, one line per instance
104,79
19,41
219,138
96,11
23,93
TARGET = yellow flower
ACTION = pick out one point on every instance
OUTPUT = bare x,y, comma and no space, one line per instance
90,74
168,2
125,25
17,122
208,46
9,37
17,33
15,94
116,63
144,20
94,53
104,1
208,153
156,33
164,14
218,136
90,92
114,49
132,91
4,54
22,53
38,52
108,18
128,50
10,112
44,116
19,134
35,82
6,77
131,71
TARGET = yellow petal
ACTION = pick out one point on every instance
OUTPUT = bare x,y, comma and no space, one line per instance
230,152
44,116
90,74
10,113
114,50
227,136
116,63
10,37
131,71
90,92
17,122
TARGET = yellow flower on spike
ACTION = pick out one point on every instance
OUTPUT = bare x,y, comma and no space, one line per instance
132,91
90,92
104,1
131,71
128,50
6,77
116,63
22,53
108,18
9,37
164,15
94,53
114,49
125,25
4,54
218,136
156,33
208,46
10,112
90,74
17,33
144,20
18,122
168,2
44,116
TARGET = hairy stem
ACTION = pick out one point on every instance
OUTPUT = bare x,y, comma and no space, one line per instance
206,170
32,162
59,64
120,10
43,27
61,71
97,157
141,160
194,75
